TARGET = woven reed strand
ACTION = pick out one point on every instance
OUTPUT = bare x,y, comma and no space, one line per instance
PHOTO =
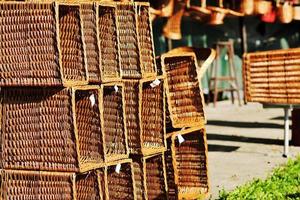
37,129
28,54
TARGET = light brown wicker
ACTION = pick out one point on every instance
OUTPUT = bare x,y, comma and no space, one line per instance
71,45
89,186
145,40
37,129
145,116
184,94
29,52
89,13
24,185
109,42
128,40
88,133
119,184
285,12
113,121
150,177
272,76
189,164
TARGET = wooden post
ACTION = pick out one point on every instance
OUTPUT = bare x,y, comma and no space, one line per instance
244,46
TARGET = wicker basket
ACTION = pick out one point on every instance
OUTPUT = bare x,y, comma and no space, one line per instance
272,76
89,15
296,12
113,121
285,12
24,185
189,164
120,184
109,42
172,29
88,186
145,116
150,177
37,129
185,98
152,116
88,133
262,7
247,7
145,40
29,56
71,45
128,41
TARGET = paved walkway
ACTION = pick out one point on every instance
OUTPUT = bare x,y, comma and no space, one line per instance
244,143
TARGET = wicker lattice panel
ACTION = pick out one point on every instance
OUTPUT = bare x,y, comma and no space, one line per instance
152,115
145,39
90,31
272,76
88,127
37,129
185,98
24,185
28,53
120,185
131,92
128,42
88,186
71,45
109,45
113,121
189,161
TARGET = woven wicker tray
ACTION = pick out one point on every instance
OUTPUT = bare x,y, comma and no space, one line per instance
29,51
88,133
145,116
150,177
24,185
184,94
145,39
72,55
113,121
189,167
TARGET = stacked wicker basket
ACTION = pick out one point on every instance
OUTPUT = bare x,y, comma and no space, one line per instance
83,112
272,76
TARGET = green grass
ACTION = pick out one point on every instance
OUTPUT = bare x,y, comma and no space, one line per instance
283,183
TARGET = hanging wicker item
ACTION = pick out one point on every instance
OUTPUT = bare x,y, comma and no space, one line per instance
200,13
285,12
172,29
296,12
247,7
262,7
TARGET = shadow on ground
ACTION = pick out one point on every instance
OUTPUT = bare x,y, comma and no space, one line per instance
212,136
243,124
221,148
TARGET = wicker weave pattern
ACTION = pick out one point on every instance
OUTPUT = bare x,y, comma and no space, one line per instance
88,12
190,163
131,92
156,185
71,44
172,189
87,187
113,122
37,129
185,99
28,54
272,76
120,185
128,42
88,127
24,185
152,115
138,172
110,67
144,31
